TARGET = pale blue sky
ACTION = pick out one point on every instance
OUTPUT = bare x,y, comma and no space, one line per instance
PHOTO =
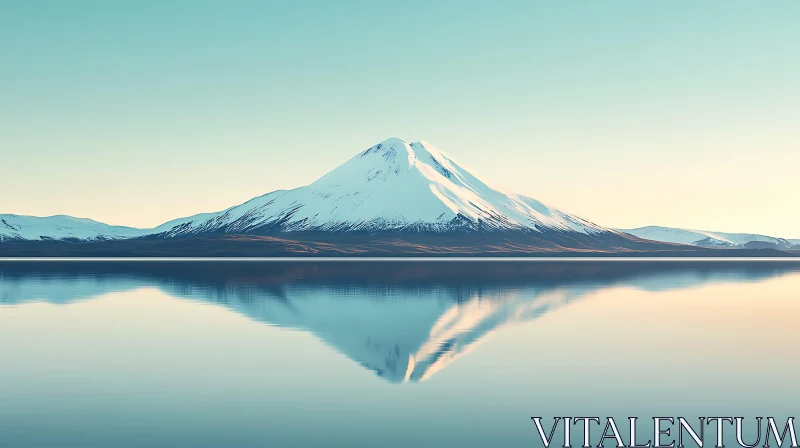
628,113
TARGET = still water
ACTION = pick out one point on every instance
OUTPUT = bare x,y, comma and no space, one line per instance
388,354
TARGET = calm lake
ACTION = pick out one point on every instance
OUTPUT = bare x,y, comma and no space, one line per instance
385,354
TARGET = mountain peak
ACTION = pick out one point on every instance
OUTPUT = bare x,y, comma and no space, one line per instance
386,146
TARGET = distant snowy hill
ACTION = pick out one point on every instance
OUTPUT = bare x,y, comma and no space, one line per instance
709,239
60,227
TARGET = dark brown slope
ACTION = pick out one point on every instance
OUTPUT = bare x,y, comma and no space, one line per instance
390,244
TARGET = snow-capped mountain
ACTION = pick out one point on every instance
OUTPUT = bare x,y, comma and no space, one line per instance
709,239
397,188
392,186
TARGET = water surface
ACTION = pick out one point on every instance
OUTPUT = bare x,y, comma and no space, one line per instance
205,354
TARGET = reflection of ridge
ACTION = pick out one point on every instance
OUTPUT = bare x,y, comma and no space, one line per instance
462,326
403,321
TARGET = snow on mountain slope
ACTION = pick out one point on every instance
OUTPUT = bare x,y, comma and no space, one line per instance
60,227
704,238
391,186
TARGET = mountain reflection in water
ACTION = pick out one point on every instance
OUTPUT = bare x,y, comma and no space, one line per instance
405,321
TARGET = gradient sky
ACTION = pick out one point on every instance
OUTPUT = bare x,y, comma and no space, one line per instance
628,113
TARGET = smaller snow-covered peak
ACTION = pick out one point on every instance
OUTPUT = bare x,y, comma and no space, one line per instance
60,227
707,238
